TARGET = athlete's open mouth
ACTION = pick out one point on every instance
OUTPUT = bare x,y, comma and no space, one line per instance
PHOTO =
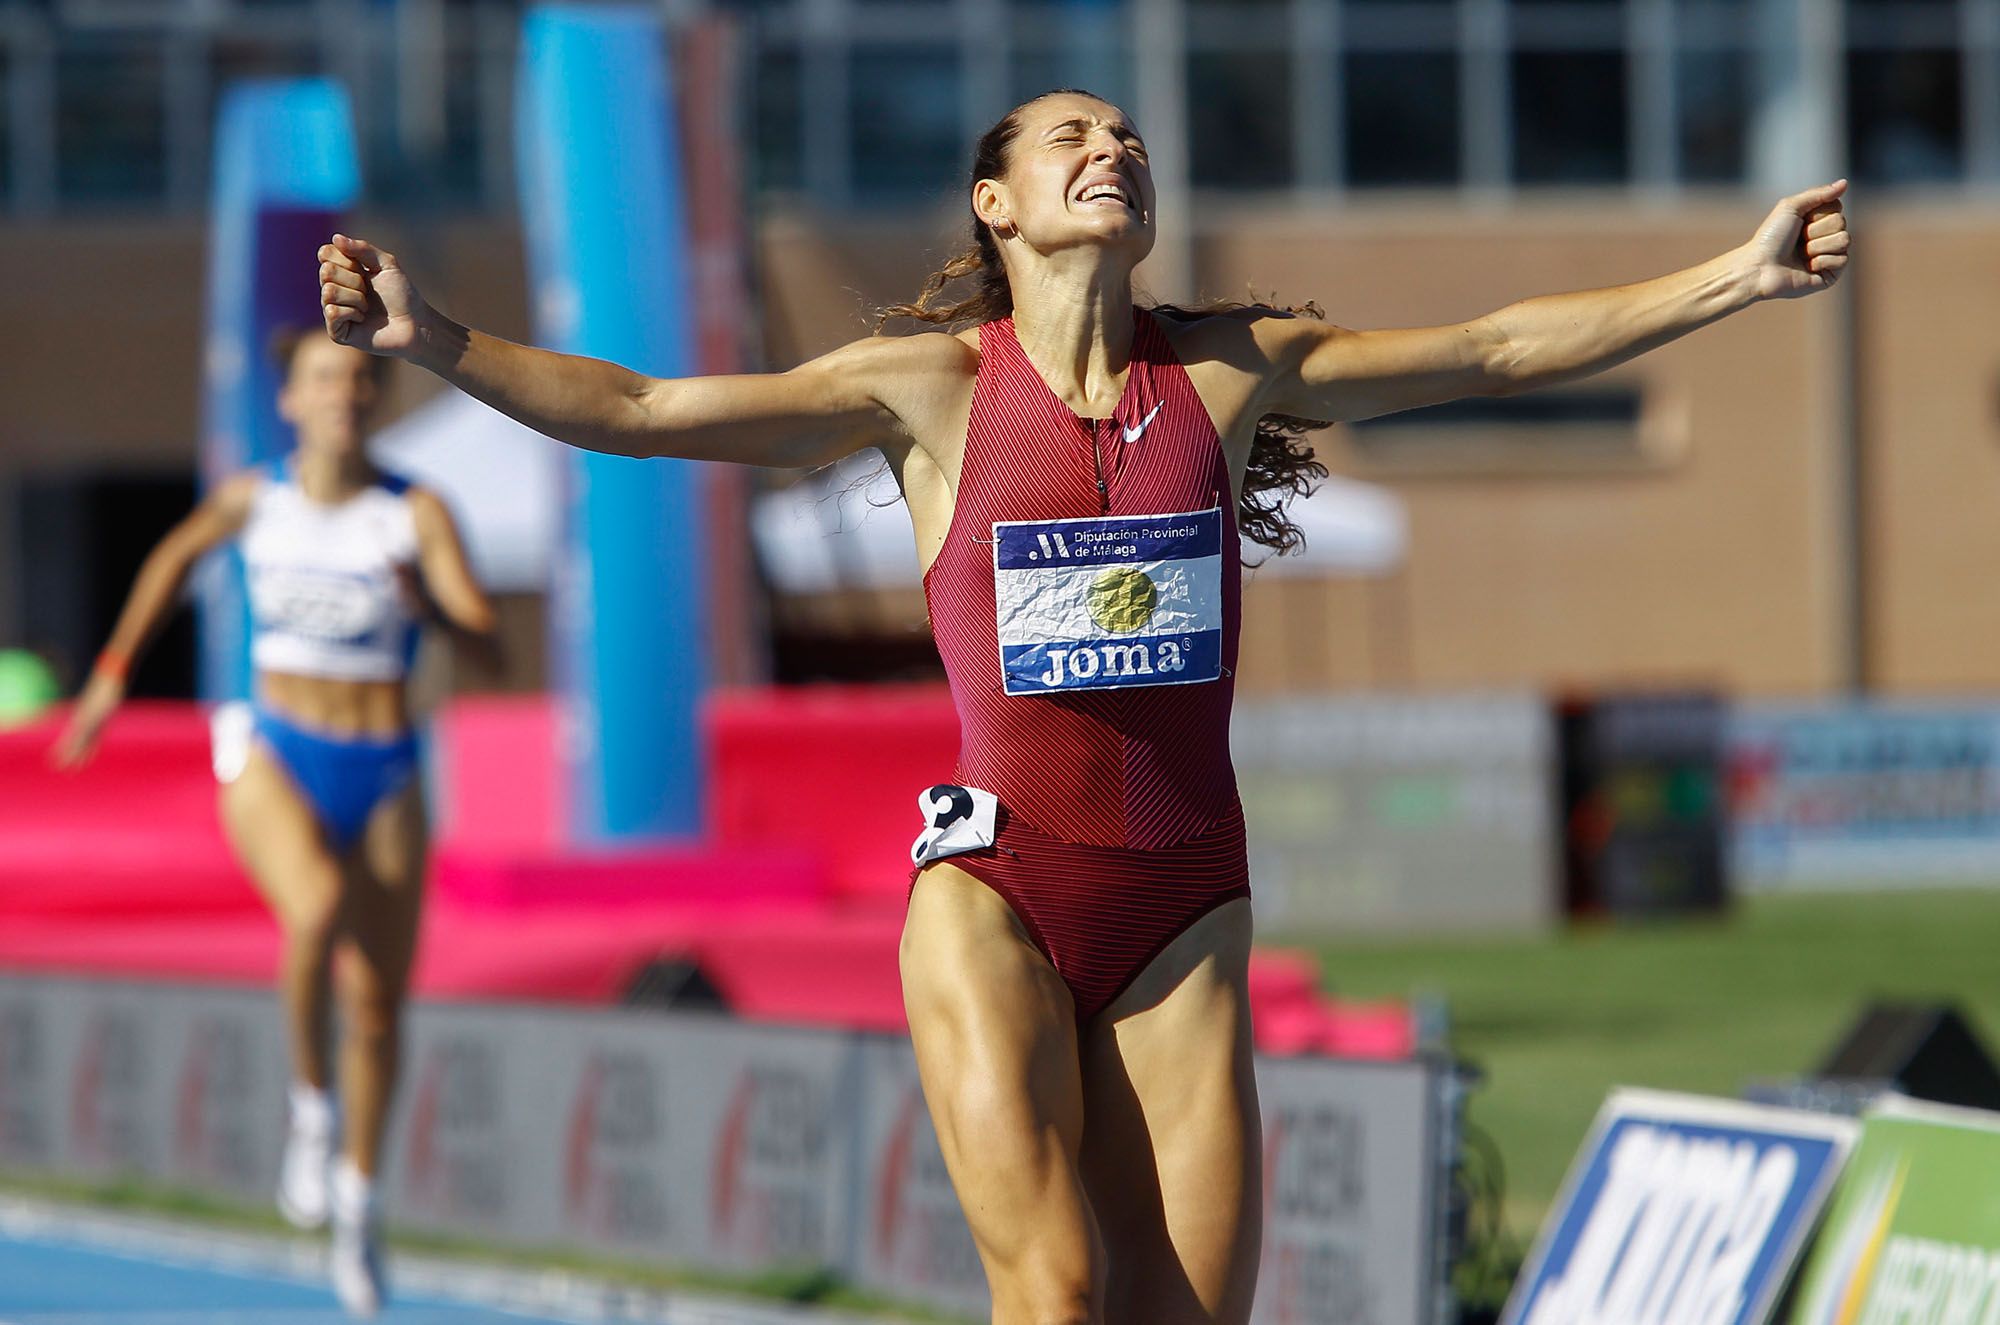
1105,188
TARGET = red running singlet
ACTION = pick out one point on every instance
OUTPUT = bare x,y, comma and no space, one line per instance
1119,823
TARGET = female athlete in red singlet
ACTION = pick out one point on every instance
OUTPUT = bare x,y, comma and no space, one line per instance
1079,471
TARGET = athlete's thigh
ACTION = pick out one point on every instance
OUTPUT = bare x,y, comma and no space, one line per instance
995,1035
1171,1156
278,839
385,885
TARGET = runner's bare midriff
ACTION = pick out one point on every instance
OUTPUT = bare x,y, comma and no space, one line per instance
337,708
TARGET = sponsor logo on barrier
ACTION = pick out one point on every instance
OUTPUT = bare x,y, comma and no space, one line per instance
1922,1280
1314,1186
215,1132
107,1098
25,1132
768,1191
1914,1237
613,1186
1680,1211
487,1149
1851,1251
1821,794
920,1238
457,1158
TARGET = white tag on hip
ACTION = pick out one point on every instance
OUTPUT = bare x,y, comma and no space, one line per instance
956,819
230,728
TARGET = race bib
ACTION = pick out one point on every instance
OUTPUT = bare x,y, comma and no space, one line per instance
332,607
1115,600
956,819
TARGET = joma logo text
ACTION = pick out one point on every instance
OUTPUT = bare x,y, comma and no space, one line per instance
1093,660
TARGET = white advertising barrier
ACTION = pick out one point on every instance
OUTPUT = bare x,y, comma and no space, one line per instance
1864,795
690,1140
683,1139
1386,814
179,1083
910,1239
1353,1208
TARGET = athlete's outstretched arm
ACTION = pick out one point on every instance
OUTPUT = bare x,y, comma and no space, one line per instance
814,414
1327,372
155,593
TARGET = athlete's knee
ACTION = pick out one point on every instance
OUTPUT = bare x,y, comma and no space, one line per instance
312,919
1051,1285
371,1002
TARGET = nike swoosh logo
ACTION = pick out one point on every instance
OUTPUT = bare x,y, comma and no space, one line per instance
1133,434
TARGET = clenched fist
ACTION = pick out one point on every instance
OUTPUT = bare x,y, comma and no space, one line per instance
367,300
1802,245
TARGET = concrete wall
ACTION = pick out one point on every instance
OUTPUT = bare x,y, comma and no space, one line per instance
1709,558
1711,553
1929,368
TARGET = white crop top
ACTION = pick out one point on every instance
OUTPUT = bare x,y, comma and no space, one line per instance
325,599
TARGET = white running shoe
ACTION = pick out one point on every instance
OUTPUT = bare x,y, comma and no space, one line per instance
356,1255
302,1194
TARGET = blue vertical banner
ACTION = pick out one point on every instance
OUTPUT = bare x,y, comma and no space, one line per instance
285,169
607,245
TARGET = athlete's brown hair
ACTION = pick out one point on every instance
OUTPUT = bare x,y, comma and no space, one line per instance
1281,462
285,343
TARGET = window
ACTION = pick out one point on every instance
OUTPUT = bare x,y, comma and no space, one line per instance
1239,119
904,116
1712,89
110,113
777,107
1402,117
1569,117
1092,54
1579,430
8,187
873,109
1904,116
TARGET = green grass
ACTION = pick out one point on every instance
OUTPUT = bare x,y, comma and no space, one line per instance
1701,1006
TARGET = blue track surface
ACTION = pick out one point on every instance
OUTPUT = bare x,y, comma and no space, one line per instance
62,1283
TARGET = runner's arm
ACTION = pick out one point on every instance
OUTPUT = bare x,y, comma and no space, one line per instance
1331,373
814,414
154,595
445,583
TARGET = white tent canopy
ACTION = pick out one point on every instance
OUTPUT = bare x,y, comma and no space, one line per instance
502,481
845,527
839,528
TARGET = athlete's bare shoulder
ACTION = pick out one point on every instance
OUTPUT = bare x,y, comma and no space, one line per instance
922,361
919,353
924,379
1232,356
233,497
1249,339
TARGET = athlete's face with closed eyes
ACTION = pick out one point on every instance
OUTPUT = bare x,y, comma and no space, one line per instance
329,394
1076,175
